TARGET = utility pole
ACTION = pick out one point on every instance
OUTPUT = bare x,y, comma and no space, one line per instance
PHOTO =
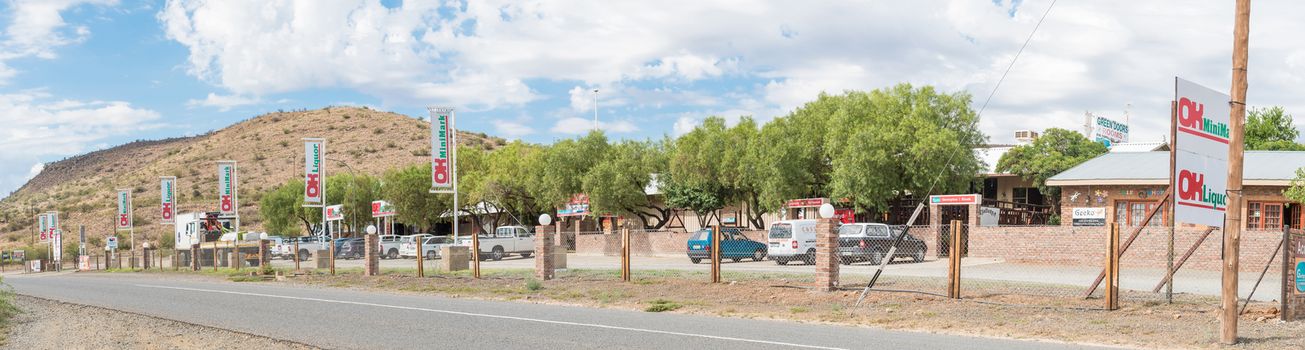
595,109
1233,224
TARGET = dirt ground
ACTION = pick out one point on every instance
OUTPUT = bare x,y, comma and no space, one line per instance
46,324
1188,323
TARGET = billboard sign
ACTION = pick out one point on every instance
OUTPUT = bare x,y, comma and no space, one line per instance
227,182
314,184
382,209
335,212
168,200
441,150
123,219
1108,131
1093,216
577,206
51,225
111,243
1201,155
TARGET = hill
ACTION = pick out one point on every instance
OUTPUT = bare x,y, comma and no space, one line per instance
268,149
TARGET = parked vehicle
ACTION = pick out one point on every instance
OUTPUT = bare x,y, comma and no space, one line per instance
791,240
733,245
307,245
430,247
410,241
351,248
388,246
505,240
871,242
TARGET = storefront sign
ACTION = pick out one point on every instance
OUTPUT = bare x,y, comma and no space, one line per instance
442,152
955,199
1201,155
1089,216
577,206
111,243
124,209
314,152
806,202
1107,131
1300,275
228,200
845,216
335,212
382,209
168,201
989,216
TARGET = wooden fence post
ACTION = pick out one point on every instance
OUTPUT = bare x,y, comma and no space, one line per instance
1112,268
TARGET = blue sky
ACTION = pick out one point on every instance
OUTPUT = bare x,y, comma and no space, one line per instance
81,75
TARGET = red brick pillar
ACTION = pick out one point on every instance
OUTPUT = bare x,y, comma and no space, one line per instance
263,258
373,266
194,257
543,253
826,254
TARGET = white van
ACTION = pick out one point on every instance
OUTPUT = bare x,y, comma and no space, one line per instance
792,240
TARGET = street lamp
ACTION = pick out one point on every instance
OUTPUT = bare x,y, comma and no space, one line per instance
595,109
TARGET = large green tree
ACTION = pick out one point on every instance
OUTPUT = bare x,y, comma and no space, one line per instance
1271,129
617,183
563,167
408,190
711,167
356,192
283,212
1055,151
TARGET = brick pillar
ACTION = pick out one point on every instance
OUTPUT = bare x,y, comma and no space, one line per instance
146,263
373,259
263,258
194,257
543,253
974,215
826,254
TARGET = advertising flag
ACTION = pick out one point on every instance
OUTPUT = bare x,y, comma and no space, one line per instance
441,152
168,200
124,209
1201,155
227,182
43,226
314,155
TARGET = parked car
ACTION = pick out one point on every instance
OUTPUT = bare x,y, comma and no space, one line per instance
351,248
411,242
791,240
733,245
388,246
430,247
505,240
871,242
307,244
339,244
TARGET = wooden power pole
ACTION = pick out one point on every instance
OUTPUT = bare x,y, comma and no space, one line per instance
1233,223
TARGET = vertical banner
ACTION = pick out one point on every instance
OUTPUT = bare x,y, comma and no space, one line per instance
167,200
314,151
227,187
42,225
1201,155
52,224
441,152
124,209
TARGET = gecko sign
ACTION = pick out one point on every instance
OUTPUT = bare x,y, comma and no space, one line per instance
1201,154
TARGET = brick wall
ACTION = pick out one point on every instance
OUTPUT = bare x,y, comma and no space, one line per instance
1085,246
644,243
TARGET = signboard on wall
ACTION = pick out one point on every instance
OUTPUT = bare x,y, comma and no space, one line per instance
1090,216
1201,155
955,199
577,206
168,200
442,150
1107,131
989,216
314,152
806,202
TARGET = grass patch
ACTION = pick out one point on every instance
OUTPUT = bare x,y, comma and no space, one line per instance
245,278
7,313
533,285
662,305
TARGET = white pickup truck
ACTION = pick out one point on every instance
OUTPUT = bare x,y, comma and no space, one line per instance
505,240
307,244
388,246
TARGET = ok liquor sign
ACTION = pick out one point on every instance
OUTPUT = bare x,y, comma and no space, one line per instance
1201,155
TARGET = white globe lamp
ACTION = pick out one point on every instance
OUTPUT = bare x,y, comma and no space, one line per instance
545,220
826,211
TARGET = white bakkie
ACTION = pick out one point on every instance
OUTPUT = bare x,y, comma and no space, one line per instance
505,240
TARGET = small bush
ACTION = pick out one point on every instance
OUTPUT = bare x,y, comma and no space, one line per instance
283,143
391,144
533,285
378,131
662,305
421,152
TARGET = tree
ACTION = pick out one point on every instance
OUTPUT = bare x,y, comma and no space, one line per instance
356,193
791,157
617,184
1296,192
1054,152
1271,129
711,167
508,179
566,162
408,190
282,210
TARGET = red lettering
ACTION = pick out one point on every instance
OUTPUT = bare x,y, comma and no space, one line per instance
314,185
167,211
1190,113
226,203
1190,185
440,171
123,221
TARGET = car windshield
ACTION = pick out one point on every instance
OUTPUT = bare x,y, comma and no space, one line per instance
781,231
700,235
877,231
850,230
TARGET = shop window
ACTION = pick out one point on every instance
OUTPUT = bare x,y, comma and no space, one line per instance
1026,195
1131,213
1271,216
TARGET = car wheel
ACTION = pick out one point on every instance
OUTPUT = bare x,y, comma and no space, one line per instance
758,255
695,260
497,254
811,256
430,255
735,259
845,261
303,255
919,255
781,261
394,253
876,257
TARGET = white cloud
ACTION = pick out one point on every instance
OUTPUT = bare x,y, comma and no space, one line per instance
36,28
511,129
35,170
223,102
37,129
582,99
683,125
580,126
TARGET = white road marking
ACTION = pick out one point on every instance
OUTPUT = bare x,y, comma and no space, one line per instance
450,312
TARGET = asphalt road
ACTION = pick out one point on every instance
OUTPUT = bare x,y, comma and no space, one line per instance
352,319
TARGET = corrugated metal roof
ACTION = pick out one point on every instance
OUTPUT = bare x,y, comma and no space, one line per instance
1261,168
1129,147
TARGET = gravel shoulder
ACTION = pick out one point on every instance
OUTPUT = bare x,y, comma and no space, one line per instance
48,324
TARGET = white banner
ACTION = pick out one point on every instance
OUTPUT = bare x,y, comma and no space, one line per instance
52,223
168,200
314,184
442,150
227,187
1107,131
43,225
124,209
56,251
1201,159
